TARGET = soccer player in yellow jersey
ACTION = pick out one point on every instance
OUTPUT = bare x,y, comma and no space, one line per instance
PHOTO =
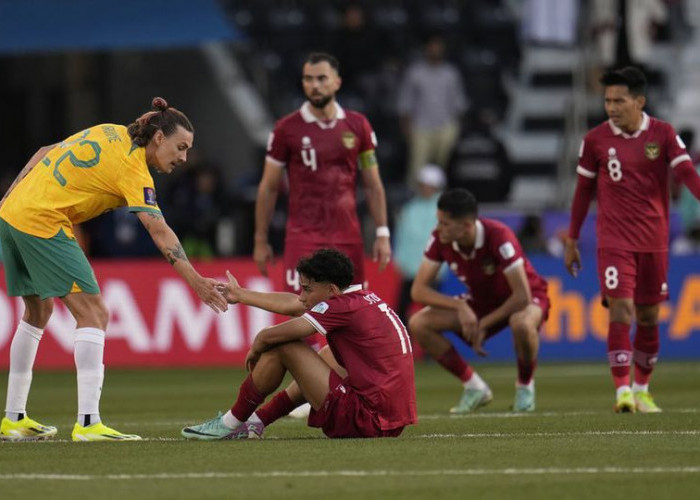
91,172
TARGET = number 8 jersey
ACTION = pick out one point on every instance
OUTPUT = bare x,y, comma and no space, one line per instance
632,182
322,164
88,174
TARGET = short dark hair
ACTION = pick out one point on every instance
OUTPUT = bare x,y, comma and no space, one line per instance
629,76
161,117
328,265
458,203
318,57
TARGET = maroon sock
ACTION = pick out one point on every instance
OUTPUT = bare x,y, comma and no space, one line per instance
526,369
279,406
249,398
619,352
456,365
646,351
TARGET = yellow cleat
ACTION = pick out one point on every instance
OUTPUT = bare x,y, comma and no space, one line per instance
625,402
100,432
645,403
25,430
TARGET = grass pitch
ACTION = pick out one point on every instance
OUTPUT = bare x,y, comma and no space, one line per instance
573,446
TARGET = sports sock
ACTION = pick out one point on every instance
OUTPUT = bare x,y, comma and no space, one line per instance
230,421
22,354
619,353
621,389
646,352
526,369
475,382
640,387
88,354
248,400
456,365
279,406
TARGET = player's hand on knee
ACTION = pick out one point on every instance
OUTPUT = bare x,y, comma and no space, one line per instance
251,359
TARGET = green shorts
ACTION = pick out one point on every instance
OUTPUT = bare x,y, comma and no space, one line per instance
47,267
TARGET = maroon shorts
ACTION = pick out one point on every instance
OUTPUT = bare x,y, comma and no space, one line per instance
638,275
539,298
345,414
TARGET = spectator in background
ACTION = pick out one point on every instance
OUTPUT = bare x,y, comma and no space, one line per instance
413,227
356,45
531,235
431,101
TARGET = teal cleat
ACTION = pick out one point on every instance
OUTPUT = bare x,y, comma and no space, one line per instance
471,400
215,430
524,399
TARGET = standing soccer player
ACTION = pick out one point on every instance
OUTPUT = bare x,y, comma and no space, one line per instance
324,149
504,290
96,170
625,163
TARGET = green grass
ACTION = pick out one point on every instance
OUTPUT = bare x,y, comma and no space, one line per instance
573,446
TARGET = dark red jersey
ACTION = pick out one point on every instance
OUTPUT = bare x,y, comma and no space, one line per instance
495,251
368,339
632,182
322,162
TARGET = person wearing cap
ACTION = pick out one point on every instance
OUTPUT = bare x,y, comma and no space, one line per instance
413,226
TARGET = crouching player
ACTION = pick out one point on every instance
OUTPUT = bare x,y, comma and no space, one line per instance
368,392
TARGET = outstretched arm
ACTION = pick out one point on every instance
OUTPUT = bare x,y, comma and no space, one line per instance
376,203
169,245
276,302
264,208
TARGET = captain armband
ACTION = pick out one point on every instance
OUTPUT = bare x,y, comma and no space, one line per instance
368,159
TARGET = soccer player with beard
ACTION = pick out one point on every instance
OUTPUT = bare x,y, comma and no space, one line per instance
324,149
625,163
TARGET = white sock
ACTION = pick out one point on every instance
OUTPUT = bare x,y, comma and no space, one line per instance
639,387
89,351
475,382
22,353
254,419
530,385
621,389
230,421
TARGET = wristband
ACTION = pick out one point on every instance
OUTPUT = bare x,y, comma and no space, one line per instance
383,231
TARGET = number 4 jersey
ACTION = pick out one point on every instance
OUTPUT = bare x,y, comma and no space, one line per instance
91,172
322,163
632,182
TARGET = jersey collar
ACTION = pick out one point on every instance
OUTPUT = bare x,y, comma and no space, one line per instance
308,116
478,243
618,131
353,288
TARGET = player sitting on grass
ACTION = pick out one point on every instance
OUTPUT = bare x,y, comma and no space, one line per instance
370,392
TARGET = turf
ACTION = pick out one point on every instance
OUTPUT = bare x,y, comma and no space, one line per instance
573,446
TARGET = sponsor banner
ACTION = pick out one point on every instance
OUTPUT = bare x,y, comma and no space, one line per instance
157,320
577,327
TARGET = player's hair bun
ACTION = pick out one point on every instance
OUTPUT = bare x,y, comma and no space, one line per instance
159,104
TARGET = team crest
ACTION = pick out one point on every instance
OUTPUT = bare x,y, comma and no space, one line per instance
489,267
349,140
651,150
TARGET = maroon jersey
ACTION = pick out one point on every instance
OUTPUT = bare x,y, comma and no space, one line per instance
322,163
368,339
496,250
632,187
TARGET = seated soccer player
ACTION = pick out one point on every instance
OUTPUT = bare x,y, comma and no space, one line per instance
374,397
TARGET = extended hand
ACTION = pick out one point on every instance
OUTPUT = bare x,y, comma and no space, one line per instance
231,289
207,291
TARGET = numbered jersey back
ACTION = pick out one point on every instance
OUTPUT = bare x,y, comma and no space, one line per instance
322,162
91,172
632,173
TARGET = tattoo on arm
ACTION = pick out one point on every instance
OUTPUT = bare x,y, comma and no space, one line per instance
174,254
155,216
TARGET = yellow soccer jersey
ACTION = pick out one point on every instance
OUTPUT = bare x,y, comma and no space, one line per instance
88,174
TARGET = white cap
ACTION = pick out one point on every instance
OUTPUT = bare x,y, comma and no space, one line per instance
431,175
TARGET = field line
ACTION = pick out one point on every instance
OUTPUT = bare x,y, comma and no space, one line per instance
511,471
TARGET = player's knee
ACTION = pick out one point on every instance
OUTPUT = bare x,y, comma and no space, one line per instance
417,326
647,315
37,312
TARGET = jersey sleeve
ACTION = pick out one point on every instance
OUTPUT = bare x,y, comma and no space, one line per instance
506,249
277,148
136,185
432,248
368,139
328,315
676,152
587,164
